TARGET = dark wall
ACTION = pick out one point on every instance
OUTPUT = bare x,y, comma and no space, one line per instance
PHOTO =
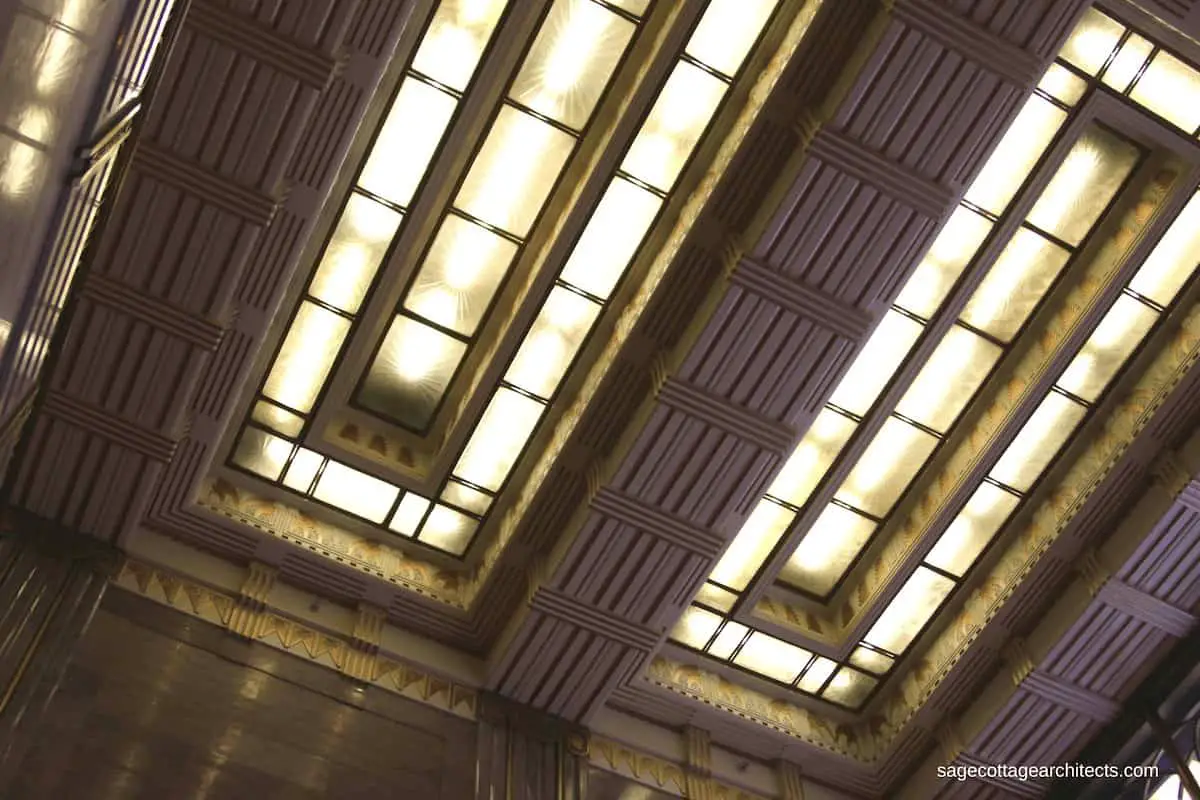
156,705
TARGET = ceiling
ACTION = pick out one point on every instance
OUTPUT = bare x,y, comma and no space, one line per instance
817,374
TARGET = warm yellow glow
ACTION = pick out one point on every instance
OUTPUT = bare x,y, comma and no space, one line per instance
411,371
676,121
1014,284
465,497
1107,349
772,657
1173,259
870,660
876,363
571,61
1062,84
1171,89
816,675
753,543
849,688
909,610
302,470
54,66
695,627
1058,204
827,550
949,379
306,357
552,342
448,530
1046,430
611,238
419,352
1129,60
727,31
953,249
75,13
457,35
277,419
972,529
1014,158
19,167
36,123
409,514
514,171
1092,41
716,597
460,275
812,457
262,453
503,430
356,492
572,46
727,640
886,468
354,253
406,143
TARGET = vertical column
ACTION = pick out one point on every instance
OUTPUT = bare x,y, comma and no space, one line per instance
527,755
51,582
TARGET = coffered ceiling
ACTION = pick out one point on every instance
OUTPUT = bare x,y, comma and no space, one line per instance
776,367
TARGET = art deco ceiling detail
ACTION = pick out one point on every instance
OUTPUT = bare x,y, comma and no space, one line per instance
704,360
984,277
448,304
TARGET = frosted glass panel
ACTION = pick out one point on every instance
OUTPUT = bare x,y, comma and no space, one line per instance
1013,286
812,457
849,688
406,143
1129,61
262,453
611,238
354,253
1173,259
557,334
676,122
1062,84
1106,350
953,249
889,464
498,440
827,550
876,363
1087,180
356,492
753,543
1092,41
1014,158
455,40
1047,429
727,31
448,530
571,61
695,627
972,529
306,357
1170,89
514,171
411,372
949,379
460,275
772,657
909,610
